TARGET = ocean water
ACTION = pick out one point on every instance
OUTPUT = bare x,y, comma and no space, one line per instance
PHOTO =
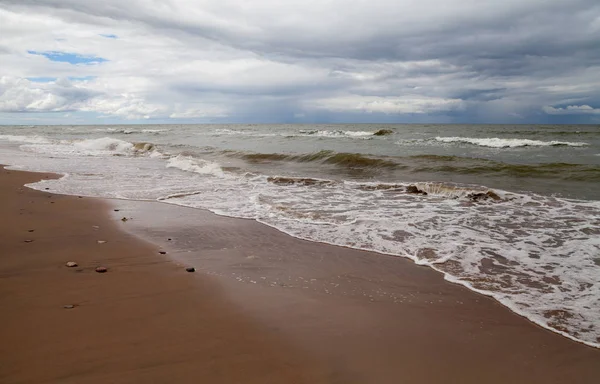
509,211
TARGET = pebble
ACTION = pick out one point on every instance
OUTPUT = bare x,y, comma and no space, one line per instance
95,227
101,269
190,269
162,252
101,241
117,210
68,306
71,264
31,230
28,241
124,219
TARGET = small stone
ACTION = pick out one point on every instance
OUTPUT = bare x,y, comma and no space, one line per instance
169,239
124,219
81,197
190,269
117,210
68,306
95,227
46,189
71,264
162,252
28,241
101,269
31,230
101,241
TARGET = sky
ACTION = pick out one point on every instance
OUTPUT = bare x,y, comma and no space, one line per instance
299,61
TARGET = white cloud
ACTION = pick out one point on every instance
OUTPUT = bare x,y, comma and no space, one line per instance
389,105
572,110
202,59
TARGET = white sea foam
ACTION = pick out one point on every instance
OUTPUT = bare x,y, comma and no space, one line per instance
25,139
191,164
104,146
335,133
507,143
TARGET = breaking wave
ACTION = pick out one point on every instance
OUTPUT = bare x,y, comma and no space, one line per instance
196,165
88,147
508,143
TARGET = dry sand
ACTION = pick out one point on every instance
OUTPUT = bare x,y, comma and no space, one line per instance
148,321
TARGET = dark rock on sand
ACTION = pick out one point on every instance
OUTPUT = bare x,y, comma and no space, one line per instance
117,210
124,219
415,190
190,269
31,230
101,269
162,252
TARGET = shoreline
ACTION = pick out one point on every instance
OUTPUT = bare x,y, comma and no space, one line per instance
145,320
334,337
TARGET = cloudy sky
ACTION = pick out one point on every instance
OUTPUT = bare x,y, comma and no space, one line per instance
272,61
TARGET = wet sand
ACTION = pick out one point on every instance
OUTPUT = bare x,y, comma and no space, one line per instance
144,321
263,306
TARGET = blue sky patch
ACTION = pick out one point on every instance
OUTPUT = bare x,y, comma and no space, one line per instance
67,57
109,35
41,79
82,78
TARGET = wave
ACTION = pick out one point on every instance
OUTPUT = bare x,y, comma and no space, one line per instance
476,166
195,165
25,139
126,131
104,146
343,159
341,133
508,143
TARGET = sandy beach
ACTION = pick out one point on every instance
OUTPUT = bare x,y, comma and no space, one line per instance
148,320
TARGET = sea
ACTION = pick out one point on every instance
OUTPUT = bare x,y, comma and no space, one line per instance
509,211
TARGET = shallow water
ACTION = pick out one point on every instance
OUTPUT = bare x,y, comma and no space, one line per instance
509,211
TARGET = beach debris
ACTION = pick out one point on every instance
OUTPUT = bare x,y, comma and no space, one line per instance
162,252
190,269
69,306
414,189
124,219
101,241
101,269
71,264
28,241
483,196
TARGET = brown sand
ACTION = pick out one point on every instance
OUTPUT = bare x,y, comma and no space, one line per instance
147,321
144,321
